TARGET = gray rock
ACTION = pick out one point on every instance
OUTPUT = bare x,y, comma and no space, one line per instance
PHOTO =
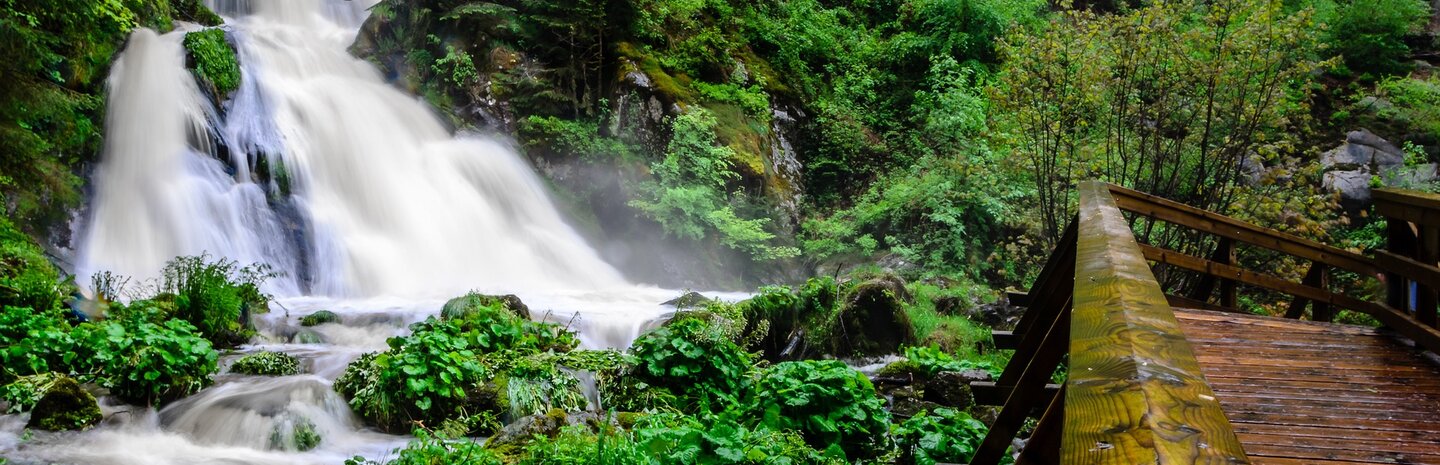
1384,153
1409,176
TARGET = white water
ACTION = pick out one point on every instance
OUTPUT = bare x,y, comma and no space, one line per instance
388,216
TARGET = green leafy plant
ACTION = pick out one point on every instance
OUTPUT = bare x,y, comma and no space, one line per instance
33,342
933,360
428,377
940,436
214,60
702,368
435,449
834,406
1370,34
579,445
724,441
319,318
216,296
266,364
146,363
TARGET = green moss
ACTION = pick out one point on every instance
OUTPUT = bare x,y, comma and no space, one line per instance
266,364
677,86
194,11
65,406
213,60
27,278
319,318
743,135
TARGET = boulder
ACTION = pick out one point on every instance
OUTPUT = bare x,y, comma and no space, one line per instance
460,306
319,318
873,320
999,315
307,336
514,436
952,388
65,406
690,299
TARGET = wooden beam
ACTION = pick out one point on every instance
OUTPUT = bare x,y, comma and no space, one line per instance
1408,205
1043,447
1135,392
989,393
1004,339
1400,241
1223,226
1028,390
1176,301
1313,278
1425,296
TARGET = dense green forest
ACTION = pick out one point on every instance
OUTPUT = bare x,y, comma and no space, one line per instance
875,173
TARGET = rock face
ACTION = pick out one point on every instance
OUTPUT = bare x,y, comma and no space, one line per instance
873,319
65,406
1351,167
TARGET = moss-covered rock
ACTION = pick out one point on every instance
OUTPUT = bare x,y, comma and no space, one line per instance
319,318
307,336
468,304
194,11
266,364
213,61
65,406
690,299
873,319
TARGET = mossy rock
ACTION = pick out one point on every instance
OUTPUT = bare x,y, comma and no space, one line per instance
213,60
266,364
904,369
469,304
307,336
195,11
873,319
65,406
319,318
690,299
297,433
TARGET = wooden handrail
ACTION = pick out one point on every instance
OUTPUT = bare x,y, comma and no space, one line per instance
1135,393
1219,225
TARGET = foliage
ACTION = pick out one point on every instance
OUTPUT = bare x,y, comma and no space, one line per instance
578,445
22,393
810,311
833,405
933,360
27,279
266,364
214,60
1413,102
144,362
427,377
571,138
535,385
319,317
724,441
939,436
434,449
216,296
33,342
706,370
1108,97
64,406
1369,34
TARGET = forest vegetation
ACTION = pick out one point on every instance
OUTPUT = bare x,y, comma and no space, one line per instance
876,173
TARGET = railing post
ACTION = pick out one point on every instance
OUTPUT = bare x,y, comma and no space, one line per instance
1429,254
1399,240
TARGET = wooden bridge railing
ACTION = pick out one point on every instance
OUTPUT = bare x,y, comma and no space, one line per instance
1134,392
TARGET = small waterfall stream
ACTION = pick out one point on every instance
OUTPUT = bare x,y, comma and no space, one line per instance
386,215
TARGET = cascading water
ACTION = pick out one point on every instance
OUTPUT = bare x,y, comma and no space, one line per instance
353,190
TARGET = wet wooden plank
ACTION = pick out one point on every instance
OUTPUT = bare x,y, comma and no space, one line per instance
1135,393
1291,403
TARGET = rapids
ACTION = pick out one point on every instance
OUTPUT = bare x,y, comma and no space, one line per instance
387,214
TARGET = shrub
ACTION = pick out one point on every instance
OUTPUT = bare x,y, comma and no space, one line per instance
33,342
536,385
810,311
1370,34
689,441
266,364
833,405
147,363
941,436
27,279
462,307
578,445
216,296
701,367
571,138
213,59
25,391
429,376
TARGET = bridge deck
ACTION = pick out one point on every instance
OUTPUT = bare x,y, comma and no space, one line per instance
1299,392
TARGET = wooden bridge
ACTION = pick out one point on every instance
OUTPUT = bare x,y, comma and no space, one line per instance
1153,378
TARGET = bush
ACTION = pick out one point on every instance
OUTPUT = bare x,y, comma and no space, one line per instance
146,363
688,441
266,364
578,445
27,279
941,436
535,385
933,360
571,138
1370,34
809,311
216,296
703,368
213,60
429,376
833,405
33,342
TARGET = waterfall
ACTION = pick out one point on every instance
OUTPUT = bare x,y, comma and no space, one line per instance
383,199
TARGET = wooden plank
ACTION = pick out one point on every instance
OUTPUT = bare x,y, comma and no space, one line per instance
1313,278
1400,241
1004,340
1425,297
1408,205
989,393
1425,275
1052,287
1406,325
1135,392
1223,226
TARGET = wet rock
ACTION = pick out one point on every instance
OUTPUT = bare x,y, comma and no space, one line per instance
688,300
999,315
65,406
307,336
468,303
319,318
873,319
952,388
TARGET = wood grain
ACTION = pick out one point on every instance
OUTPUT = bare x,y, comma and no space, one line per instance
1135,393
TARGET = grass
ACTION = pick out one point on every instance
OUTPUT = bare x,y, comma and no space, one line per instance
955,334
